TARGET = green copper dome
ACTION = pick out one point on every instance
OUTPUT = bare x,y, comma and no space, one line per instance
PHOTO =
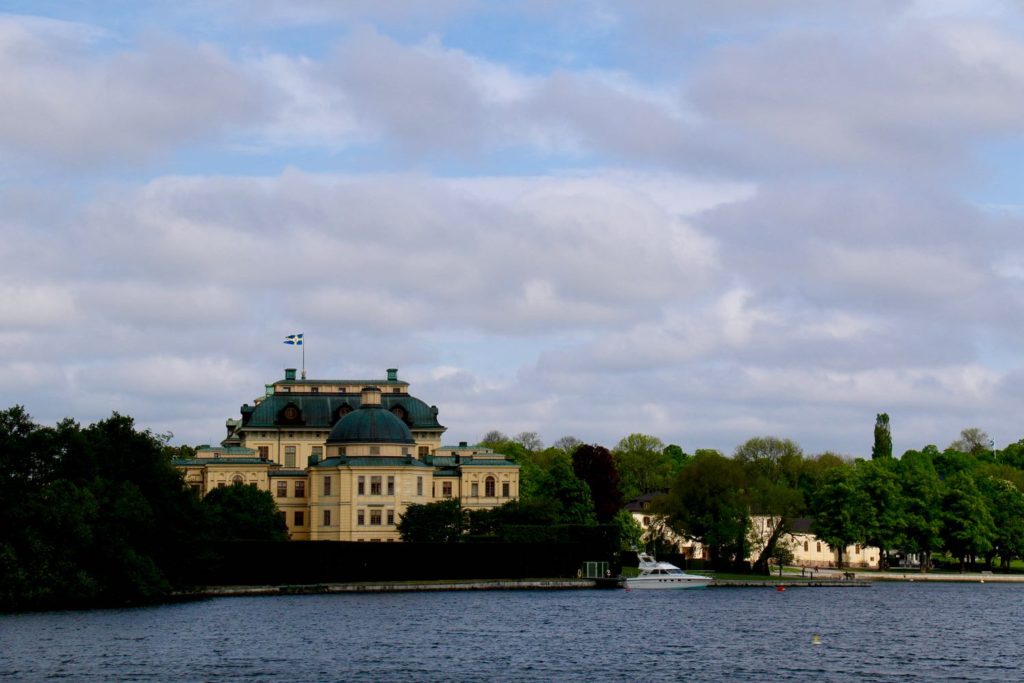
370,424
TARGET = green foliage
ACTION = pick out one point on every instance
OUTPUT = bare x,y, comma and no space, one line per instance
967,527
241,512
973,441
707,503
921,490
884,505
1005,502
443,521
882,447
93,515
642,464
631,534
838,511
772,468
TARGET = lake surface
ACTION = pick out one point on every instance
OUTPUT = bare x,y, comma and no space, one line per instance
889,632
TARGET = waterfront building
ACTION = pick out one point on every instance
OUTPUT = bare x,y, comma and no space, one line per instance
808,550
345,458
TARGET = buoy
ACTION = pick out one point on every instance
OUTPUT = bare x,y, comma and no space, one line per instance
780,589
815,639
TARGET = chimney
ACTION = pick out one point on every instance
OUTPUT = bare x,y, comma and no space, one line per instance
392,374
369,397
463,444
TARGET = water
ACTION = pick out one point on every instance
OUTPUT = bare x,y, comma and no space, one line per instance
890,632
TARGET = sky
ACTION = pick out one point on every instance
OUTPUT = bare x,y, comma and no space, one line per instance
705,220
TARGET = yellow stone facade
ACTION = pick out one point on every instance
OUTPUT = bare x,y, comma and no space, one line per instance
343,459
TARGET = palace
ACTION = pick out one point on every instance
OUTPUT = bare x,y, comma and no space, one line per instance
344,458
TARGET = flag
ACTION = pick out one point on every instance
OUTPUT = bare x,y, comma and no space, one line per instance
294,339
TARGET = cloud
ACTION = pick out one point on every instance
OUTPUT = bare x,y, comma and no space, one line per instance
65,102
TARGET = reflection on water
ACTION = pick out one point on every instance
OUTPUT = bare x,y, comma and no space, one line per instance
888,632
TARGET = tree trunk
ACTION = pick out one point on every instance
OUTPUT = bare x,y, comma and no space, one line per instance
761,564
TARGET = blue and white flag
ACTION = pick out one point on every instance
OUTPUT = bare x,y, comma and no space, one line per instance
293,339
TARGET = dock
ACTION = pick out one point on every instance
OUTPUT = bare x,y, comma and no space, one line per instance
790,583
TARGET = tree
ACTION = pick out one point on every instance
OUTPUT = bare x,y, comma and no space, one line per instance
642,464
443,521
967,527
883,514
567,444
492,438
1005,502
772,468
921,490
882,447
93,515
595,466
241,512
973,441
631,534
529,440
706,503
676,455
837,512
570,494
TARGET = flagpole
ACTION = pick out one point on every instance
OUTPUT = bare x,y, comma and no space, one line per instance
303,356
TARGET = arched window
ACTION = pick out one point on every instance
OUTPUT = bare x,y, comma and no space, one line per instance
819,546
489,487
237,479
805,546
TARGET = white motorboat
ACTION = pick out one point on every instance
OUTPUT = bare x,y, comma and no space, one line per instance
654,574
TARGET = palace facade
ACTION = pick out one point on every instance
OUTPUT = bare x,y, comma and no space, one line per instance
345,458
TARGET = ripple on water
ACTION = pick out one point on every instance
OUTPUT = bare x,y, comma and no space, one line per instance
891,632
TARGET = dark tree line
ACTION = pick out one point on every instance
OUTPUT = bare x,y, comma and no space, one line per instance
98,515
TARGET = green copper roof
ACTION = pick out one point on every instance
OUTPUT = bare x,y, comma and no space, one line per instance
321,411
370,424
180,462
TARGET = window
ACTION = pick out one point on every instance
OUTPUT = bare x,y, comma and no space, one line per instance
284,520
805,546
300,518
315,390
474,490
318,452
300,489
361,486
489,487
360,518
221,485
237,479
446,489
375,486
419,486
374,450
391,517
819,546
391,486
647,521
327,517
289,456
505,489
327,486
375,517
264,452
282,489
424,451
396,390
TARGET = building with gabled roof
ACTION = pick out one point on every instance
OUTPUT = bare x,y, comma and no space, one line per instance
345,458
